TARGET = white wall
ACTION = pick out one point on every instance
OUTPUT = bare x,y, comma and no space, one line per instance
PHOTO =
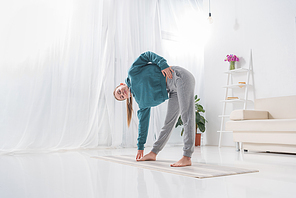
265,26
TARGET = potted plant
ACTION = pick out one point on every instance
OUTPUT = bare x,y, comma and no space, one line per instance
199,121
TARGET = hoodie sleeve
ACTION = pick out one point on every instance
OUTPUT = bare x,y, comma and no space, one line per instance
144,117
148,57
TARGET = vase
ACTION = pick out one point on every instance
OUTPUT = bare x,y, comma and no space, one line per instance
197,139
232,67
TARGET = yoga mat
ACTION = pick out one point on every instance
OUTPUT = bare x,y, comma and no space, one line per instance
197,170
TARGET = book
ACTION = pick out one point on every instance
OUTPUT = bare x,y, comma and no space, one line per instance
241,83
231,98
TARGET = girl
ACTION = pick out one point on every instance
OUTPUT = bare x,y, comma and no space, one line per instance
150,80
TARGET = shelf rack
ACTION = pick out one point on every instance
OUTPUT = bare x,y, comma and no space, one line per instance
234,86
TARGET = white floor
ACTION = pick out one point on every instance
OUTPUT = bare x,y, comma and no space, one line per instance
74,174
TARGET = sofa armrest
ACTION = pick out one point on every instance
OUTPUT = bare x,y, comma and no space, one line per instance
248,114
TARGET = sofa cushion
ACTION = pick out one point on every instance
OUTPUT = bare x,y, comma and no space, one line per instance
248,115
266,139
278,107
262,125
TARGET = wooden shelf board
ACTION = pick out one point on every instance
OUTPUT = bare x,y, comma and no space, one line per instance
240,70
224,116
234,100
235,86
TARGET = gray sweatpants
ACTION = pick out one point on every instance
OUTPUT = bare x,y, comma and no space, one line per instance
181,100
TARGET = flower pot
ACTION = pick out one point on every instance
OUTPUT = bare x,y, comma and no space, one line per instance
197,139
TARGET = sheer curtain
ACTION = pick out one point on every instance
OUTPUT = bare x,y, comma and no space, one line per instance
184,34
60,61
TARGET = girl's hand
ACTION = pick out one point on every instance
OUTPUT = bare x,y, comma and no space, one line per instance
168,72
140,154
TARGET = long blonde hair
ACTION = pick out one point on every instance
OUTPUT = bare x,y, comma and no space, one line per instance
129,107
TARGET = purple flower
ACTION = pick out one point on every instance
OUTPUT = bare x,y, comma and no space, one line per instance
231,57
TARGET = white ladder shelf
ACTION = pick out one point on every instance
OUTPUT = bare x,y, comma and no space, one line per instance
234,86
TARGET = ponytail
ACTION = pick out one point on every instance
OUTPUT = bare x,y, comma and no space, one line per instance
129,108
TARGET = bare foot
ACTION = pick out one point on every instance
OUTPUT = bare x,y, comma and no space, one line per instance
149,157
184,161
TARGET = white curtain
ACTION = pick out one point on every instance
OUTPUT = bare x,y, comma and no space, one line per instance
61,59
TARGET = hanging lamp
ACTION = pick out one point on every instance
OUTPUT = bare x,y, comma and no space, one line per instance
210,19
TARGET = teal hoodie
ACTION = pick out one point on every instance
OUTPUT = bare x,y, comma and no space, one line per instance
148,87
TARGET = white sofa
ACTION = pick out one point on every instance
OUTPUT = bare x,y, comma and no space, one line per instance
271,126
